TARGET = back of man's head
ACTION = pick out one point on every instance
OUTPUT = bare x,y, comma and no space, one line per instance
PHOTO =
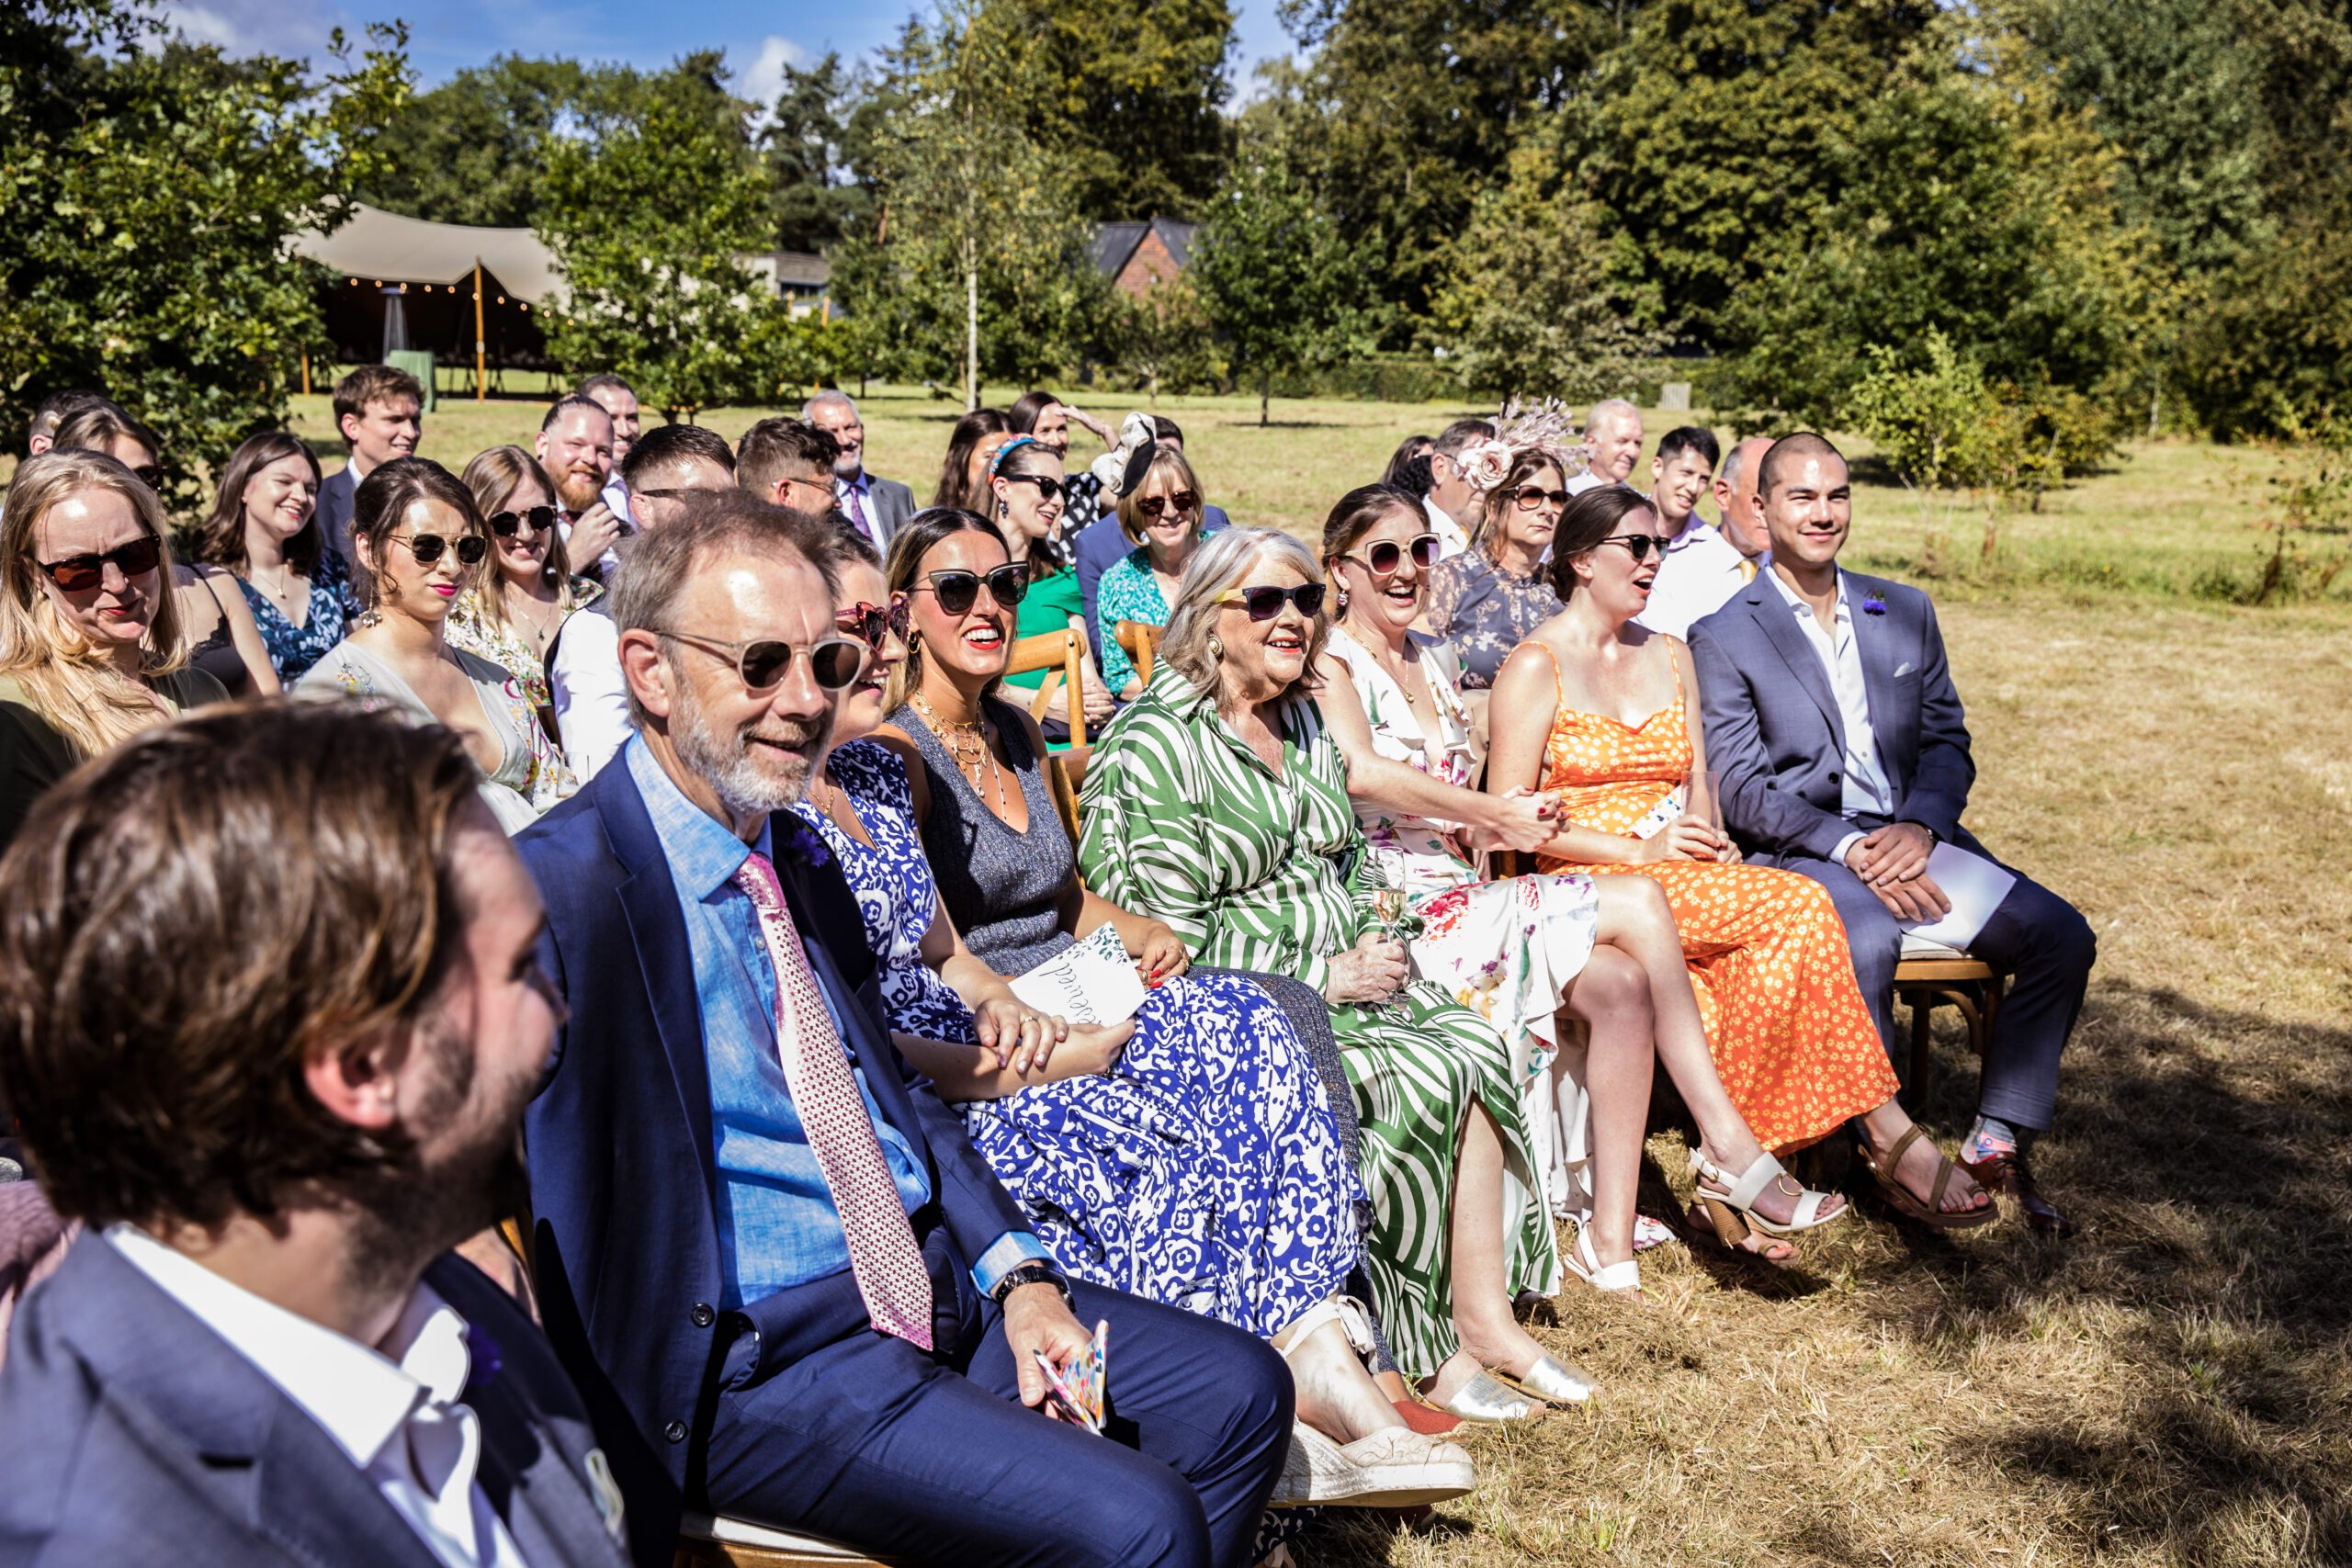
662,451
56,409
778,449
156,1083
1782,458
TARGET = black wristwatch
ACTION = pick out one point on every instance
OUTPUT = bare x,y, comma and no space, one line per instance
1033,1272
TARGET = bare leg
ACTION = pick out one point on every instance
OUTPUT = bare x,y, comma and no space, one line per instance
1481,1315
1918,1170
1336,1394
1612,996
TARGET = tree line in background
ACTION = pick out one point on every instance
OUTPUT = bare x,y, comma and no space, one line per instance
2059,220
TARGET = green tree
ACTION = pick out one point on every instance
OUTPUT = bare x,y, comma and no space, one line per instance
1287,290
1162,339
805,147
469,151
1528,310
150,187
650,207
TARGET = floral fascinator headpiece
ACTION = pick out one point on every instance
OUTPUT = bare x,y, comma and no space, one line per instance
1547,427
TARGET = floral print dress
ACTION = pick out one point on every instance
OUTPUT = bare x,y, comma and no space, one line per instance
1204,1171
1508,950
1486,611
328,612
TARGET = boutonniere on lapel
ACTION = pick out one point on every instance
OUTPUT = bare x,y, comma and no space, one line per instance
484,1360
1873,605
810,843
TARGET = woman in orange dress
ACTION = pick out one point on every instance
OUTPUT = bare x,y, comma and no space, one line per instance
1606,715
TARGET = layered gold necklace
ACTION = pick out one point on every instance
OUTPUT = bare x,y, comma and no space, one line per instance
968,744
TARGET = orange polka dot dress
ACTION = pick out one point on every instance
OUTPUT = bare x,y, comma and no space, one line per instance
1768,954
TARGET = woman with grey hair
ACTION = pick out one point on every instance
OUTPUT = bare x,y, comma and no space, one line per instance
1219,804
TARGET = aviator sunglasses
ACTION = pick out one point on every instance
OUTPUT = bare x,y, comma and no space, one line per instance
537,519
1530,497
427,547
1639,546
79,574
1182,502
959,591
763,662
871,623
1385,558
1265,603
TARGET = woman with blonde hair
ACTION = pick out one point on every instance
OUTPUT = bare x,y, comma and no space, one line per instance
1159,512
91,648
511,612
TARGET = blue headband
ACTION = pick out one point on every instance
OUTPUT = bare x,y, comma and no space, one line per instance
1006,450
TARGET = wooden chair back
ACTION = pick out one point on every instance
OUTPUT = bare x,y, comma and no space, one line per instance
1060,654
1136,639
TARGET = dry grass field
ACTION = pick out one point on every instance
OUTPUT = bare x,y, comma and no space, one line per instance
2172,1387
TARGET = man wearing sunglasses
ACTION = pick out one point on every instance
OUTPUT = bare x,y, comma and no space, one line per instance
789,463
1844,755
781,1256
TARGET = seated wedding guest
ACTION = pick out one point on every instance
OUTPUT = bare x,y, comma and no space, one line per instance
1026,479
380,412
1486,600
1101,543
222,638
1739,505
876,507
512,609
1047,417
1522,952
1453,504
618,399
1606,714
963,482
1219,804
55,409
264,529
788,463
669,469
418,542
1701,569
91,652
795,1275
1844,751
1408,466
575,447
1611,444
1205,1170
1159,513
263,1349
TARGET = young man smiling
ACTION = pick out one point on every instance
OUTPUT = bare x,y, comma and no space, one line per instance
1700,567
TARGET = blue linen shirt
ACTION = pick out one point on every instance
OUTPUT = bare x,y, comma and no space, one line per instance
778,1224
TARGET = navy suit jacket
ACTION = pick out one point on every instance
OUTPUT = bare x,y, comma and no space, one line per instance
1775,735
135,1434
1098,548
334,510
624,1179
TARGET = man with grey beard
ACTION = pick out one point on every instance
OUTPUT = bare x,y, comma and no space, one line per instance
756,1234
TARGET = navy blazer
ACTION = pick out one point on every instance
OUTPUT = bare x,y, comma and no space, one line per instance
1775,735
136,1434
624,1178
335,492
1097,549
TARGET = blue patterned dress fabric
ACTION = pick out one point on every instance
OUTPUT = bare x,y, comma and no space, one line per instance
1205,1172
292,648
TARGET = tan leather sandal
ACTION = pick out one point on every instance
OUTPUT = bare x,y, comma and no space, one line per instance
1931,1212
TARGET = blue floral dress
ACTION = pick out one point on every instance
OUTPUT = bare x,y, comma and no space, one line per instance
292,648
1205,1172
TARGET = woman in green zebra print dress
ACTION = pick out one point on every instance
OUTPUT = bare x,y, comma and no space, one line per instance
1219,804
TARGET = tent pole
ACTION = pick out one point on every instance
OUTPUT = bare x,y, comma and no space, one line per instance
481,380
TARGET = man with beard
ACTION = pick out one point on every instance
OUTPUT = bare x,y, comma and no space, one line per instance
617,398
876,508
262,1349
782,1254
575,448
1612,440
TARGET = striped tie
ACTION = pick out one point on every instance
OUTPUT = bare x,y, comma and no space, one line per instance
882,1251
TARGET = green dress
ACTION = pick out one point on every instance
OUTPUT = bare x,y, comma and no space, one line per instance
1256,870
1046,607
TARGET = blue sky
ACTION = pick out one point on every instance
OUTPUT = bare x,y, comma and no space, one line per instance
759,38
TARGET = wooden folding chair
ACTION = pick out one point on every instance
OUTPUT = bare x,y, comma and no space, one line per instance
1136,639
1929,976
1062,654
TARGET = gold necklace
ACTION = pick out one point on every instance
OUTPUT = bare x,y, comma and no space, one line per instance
284,590
967,743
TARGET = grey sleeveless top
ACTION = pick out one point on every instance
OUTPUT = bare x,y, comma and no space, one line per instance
1002,887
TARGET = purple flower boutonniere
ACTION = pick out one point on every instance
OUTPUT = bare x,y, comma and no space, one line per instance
1873,605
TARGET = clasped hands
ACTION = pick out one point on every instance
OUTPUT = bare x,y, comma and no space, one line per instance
1892,864
1687,838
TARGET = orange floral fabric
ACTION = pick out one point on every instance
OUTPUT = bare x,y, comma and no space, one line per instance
1767,953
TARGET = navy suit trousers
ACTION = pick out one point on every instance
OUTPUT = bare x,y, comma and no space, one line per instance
2041,941
931,1456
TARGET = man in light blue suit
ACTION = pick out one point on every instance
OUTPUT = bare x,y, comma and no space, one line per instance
1843,752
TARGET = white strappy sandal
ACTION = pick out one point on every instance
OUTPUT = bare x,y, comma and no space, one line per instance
1616,1279
1733,1210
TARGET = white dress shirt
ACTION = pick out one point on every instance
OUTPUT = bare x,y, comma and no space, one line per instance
1450,540
1861,787
1698,576
589,695
400,1421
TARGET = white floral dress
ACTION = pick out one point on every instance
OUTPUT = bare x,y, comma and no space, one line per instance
1506,950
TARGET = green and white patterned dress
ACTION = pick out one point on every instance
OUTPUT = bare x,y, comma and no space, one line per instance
1256,870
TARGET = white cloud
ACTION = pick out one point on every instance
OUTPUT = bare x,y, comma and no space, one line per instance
254,26
763,78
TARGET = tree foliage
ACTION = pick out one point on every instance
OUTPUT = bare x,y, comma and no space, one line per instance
807,149
651,207
470,150
152,188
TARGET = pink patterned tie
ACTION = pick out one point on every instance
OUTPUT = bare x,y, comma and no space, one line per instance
857,514
882,1251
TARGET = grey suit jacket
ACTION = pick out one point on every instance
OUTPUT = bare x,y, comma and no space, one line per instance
1775,736
136,1435
891,506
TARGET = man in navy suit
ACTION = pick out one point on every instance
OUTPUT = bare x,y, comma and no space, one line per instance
379,411
776,1252
1099,545
1843,752
262,1349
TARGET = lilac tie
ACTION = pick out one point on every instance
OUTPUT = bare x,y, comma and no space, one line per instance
882,1251
857,514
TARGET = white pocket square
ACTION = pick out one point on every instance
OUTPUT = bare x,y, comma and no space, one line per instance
1901,669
